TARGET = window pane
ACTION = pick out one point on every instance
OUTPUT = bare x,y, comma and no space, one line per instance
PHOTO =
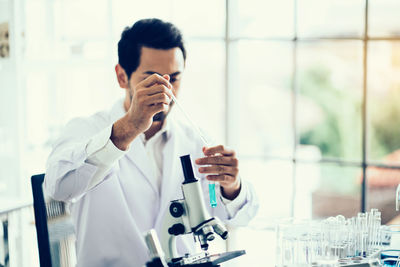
381,191
261,80
384,19
329,99
54,97
5,8
78,20
329,189
10,105
51,34
331,18
308,179
9,136
204,18
127,12
82,91
202,92
261,18
273,182
38,45
37,111
383,101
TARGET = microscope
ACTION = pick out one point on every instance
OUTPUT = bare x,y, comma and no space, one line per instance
188,216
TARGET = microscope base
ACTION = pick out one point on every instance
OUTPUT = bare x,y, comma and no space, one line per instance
208,261
207,264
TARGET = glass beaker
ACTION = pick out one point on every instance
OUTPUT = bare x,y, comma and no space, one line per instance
390,238
285,243
294,243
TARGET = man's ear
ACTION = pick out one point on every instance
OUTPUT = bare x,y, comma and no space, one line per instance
121,77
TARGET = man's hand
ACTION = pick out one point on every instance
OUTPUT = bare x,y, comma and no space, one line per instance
223,168
149,97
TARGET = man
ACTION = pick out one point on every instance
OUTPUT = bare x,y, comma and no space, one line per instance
121,168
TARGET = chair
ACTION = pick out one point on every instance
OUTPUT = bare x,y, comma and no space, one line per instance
54,228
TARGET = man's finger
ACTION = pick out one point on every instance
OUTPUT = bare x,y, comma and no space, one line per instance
221,160
219,169
224,178
209,151
153,79
155,89
156,108
157,99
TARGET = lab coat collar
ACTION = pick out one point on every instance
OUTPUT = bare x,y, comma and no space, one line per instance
171,165
136,153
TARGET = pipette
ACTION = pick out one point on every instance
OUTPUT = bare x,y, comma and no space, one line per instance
211,185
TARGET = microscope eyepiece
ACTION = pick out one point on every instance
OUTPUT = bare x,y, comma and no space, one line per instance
187,169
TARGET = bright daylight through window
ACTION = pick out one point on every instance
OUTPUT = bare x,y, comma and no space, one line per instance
307,92
288,91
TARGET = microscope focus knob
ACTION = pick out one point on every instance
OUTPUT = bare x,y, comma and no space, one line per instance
176,209
176,229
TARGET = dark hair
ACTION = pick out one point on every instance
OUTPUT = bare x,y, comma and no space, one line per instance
152,33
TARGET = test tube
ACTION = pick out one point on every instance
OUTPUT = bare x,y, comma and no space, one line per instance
213,198
375,233
363,233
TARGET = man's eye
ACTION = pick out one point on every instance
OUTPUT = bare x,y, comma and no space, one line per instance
173,80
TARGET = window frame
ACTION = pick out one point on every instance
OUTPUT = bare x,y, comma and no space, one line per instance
364,163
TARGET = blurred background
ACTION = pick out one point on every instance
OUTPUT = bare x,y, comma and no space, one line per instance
306,91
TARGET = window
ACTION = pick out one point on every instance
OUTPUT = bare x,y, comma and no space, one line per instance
305,91
313,86
69,65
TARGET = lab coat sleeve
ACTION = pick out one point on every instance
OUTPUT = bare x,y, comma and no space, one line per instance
104,156
81,158
239,211
232,206
236,212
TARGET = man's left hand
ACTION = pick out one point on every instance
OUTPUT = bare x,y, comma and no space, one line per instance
222,165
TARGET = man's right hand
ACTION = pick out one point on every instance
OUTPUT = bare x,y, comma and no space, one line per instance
149,97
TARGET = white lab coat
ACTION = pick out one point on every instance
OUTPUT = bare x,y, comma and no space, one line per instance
111,217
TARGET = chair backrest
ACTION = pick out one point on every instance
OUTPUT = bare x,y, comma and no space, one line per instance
54,228
39,207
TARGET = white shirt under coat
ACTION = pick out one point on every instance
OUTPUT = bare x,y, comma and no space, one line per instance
116,196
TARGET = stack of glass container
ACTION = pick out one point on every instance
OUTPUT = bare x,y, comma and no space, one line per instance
333,241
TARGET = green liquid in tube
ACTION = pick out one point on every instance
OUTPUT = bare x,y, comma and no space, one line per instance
213,198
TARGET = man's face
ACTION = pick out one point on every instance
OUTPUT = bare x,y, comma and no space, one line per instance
162,62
